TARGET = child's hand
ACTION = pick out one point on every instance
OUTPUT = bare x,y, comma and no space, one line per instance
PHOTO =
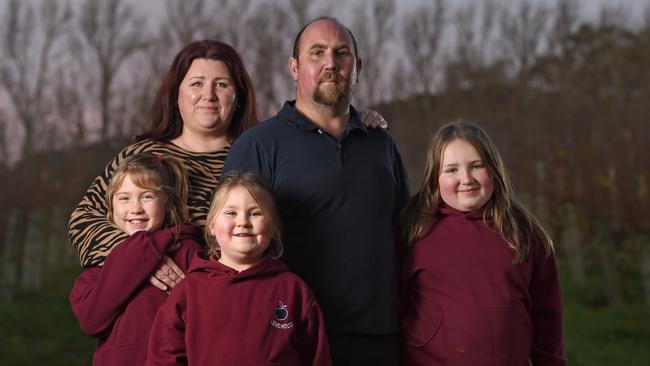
167,275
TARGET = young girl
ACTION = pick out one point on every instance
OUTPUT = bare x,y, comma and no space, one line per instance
116,303
240,306
479,277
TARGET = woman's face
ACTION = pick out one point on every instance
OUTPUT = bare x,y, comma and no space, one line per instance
207,98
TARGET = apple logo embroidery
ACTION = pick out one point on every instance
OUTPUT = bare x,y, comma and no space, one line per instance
281,314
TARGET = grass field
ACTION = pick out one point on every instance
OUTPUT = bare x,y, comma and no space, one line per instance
39,328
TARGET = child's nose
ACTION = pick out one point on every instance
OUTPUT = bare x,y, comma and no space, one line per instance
137,206
466,177
242,220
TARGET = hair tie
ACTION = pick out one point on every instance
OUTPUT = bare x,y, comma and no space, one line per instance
160,157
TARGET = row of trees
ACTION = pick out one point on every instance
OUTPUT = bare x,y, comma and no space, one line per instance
73,76
565,98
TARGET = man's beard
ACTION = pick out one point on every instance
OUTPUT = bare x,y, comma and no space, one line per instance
335,94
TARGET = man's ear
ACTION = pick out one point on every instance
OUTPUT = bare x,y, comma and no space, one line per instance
293,68
359,67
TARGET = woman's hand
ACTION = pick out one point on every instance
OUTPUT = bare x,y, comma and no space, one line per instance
167,275
372,119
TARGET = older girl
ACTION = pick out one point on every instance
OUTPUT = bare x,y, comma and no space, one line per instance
479,277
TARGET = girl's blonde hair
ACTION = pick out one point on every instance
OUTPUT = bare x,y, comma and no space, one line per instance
162,174
256,186
516,225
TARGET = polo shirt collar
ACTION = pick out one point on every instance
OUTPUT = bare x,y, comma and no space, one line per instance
289,114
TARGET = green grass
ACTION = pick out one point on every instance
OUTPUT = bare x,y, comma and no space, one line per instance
607,336
597,334
38,328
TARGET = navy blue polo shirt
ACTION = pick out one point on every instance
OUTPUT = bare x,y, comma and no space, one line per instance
339,200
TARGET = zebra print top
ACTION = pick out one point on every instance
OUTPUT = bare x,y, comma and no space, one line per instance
89,230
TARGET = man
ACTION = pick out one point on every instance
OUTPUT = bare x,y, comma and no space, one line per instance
339,188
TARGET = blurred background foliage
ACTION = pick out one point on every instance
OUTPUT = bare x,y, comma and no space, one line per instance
567,100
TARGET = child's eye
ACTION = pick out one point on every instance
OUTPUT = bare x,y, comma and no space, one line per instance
451,170
123,198
148,196
230,213
256,213
477,166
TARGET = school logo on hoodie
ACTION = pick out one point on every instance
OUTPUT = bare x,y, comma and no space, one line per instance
281,314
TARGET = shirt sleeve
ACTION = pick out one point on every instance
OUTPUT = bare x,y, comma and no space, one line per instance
546,312
313,347
167,337
402,192
99,295
248,155
89,230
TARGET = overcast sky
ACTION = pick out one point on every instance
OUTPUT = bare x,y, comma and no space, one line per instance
589,8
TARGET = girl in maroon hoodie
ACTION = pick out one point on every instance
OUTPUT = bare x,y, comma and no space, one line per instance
479,279
117,303
240,306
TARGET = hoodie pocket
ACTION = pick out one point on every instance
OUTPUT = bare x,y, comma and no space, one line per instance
419,328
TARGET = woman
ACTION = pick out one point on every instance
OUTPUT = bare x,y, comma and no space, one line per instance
204,103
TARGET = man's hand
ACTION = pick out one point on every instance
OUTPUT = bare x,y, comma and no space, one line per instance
372,119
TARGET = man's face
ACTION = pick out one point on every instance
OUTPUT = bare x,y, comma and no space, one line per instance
326,70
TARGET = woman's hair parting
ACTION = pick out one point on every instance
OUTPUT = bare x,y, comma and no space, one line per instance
509,217
159,173
259,190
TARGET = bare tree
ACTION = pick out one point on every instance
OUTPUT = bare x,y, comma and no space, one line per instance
268,53
523,32
113,33
564,23
187,21
475,29
374,32
423,31
4,140
24,70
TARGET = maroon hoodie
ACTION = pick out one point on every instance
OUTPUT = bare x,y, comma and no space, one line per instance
264,315
466,303
116,302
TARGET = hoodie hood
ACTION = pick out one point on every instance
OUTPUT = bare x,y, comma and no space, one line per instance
267,266
446,211
188,231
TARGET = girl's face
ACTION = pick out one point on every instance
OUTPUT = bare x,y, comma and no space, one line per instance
241,230
465,182
136,208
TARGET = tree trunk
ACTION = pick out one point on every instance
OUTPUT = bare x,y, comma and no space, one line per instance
571,239
607,257
645,267
10,254
34,251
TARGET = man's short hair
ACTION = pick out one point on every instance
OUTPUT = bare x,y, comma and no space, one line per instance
296,42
